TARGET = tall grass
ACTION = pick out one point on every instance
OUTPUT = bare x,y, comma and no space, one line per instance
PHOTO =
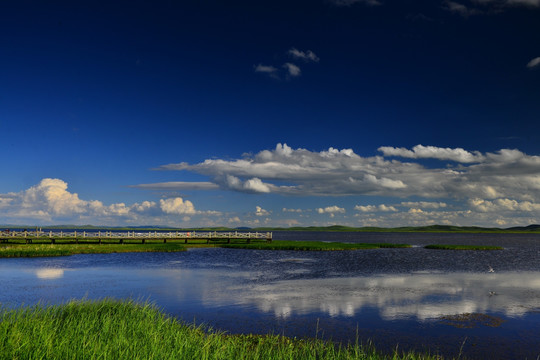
37,250
109,329
20,249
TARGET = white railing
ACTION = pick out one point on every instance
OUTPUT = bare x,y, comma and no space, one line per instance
137,234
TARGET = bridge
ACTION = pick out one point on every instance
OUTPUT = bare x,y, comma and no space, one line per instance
99,236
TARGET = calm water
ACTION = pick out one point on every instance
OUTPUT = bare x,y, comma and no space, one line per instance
408,297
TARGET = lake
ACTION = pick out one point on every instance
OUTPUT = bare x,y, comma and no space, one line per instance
413,298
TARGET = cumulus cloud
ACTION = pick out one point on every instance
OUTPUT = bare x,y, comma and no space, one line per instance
433,152
292,70
253,185
267,69
423,204
303,55
533,63
177,206
259,211
332,210
503,204
474,7
288,70
507,173
51,201
383,182
375,208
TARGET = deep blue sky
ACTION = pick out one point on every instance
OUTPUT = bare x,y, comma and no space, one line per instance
95,96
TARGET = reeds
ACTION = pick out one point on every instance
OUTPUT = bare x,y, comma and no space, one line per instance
38,250
110,329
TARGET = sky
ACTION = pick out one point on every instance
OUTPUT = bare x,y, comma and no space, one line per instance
204,113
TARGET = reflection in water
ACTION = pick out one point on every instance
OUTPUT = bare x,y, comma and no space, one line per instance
49,273
415,296
419,296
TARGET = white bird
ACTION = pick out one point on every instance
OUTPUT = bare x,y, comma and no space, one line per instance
490,269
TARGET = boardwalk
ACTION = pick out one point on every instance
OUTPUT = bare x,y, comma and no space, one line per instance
184,236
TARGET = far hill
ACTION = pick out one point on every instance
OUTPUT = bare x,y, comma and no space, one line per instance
534,228
429,228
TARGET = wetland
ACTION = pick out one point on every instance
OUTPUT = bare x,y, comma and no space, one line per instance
441,302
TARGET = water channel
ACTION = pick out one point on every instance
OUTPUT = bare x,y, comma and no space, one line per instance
443,302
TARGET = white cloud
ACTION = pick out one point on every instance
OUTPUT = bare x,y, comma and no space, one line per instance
476,7
433,152
52,194
176,206
50,201
178,185
253,185
267,69
292,69
292,210
234,220
384,182
5,201
528,3
288,70
304,55
375,208
507,173
533,63
423,204
332,210
460,8
259,211
503,204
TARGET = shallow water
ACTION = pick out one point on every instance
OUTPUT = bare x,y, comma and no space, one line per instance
409,297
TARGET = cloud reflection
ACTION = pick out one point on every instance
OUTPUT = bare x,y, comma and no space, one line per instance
50,273
421,296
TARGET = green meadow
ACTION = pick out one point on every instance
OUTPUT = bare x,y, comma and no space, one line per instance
109,329
18,247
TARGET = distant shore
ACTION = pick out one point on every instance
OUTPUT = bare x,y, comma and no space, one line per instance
534,228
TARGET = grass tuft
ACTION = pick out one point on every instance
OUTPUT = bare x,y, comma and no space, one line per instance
39,250
110,329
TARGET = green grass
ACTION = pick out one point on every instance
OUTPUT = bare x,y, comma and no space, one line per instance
462,247
64,249
109,329
310,246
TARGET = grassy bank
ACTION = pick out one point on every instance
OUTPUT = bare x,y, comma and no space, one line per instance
125,330
38,250
311,246
462,247
18,248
